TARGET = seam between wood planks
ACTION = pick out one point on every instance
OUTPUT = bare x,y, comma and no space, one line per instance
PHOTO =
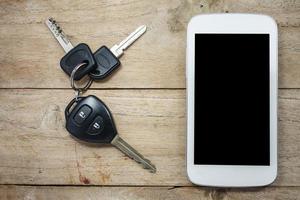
28,88
115,89
150,186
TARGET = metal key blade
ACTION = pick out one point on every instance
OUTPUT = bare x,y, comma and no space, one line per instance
132,153
59,34
118,49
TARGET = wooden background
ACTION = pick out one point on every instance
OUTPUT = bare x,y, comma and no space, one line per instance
38,158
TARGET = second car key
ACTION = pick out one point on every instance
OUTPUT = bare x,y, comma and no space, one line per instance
89,119
101,63
108,59
74,55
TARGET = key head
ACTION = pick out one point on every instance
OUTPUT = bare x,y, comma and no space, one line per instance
90,120
79,54
106,63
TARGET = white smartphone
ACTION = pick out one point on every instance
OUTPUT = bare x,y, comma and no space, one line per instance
231,75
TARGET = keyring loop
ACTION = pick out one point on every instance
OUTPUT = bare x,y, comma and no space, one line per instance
73,84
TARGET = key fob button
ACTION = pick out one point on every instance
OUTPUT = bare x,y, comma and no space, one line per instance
96,126
82,114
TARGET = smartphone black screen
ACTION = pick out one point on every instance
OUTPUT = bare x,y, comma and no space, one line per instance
232,111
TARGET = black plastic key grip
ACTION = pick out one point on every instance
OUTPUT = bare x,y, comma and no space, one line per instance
106,62
79,54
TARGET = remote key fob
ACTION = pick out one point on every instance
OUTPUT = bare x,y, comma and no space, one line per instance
90,120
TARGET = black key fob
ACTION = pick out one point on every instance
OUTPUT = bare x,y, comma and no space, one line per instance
106,62
79,54
89,119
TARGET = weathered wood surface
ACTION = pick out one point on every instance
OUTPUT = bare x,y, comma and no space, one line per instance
286,12
145,193
29,55
36,149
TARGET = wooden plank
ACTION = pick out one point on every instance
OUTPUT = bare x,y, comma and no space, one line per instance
286,12
159,193
42,152
38,150
289,58
29,55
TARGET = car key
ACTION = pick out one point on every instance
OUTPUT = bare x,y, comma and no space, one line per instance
101,63
88,119
108,59
74,55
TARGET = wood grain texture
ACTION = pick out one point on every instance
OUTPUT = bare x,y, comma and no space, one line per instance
42,152
286,12
35,148
38,150
29,55
145,193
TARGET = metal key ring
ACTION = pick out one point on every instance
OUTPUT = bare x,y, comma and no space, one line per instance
73,84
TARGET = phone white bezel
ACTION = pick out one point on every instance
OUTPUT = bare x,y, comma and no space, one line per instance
231,175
